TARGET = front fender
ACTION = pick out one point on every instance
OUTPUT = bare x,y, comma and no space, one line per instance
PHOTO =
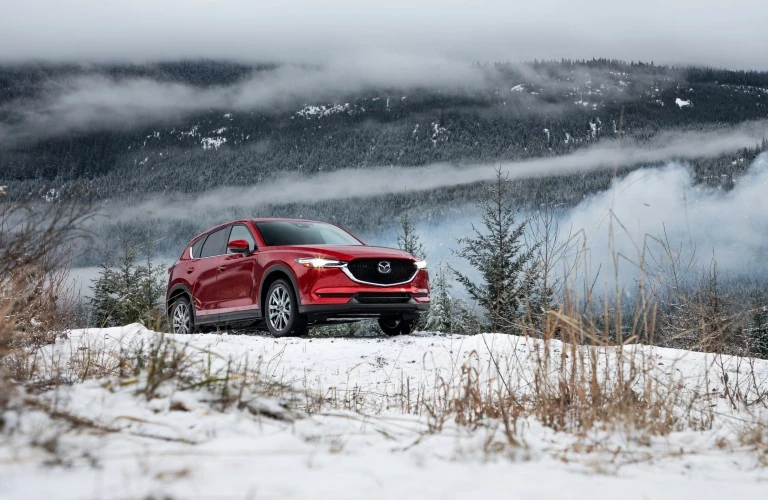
279,268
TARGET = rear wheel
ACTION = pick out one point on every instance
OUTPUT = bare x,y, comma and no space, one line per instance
397,326
282,311
182,321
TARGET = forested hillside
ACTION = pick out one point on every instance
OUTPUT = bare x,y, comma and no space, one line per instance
549,109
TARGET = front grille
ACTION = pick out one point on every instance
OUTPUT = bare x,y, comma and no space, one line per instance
367,270
383,298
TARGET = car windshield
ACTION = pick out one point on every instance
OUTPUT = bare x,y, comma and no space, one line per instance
280,233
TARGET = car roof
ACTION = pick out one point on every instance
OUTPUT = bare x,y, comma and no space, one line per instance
282,219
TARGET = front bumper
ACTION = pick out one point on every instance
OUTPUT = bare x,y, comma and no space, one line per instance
329,294
360,306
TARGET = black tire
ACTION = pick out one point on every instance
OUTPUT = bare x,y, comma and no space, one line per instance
182,318
281,311
396,326
407,326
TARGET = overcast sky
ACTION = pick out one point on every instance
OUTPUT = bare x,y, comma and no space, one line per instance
729,33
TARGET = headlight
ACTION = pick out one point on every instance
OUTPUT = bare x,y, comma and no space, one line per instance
319,262
421,264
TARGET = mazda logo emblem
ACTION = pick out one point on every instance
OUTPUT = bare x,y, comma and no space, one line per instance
385,267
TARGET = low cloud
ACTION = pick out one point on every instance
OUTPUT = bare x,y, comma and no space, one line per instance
97,101
636,220
648,206
371,182
90,99
679,31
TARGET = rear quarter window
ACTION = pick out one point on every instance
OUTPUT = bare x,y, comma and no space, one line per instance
215,243
197,247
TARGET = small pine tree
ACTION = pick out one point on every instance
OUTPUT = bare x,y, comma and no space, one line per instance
127,292
408,240
758,331
505,262
446,313
440,317
464,318
105,302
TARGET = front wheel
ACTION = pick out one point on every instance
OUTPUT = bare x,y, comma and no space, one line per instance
283,318
396,326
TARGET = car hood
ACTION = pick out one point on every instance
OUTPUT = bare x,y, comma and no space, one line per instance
349,252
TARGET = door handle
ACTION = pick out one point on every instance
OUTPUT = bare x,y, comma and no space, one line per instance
221,268
190,270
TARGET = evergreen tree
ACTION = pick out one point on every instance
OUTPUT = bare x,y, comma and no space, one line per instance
408,240
441,310
757,334
505,262
127,292
446,313
105,303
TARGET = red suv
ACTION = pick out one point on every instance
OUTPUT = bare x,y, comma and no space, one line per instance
287,274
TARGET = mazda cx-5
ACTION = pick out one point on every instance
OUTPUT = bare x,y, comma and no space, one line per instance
285,275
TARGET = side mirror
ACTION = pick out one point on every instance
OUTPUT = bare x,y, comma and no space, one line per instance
238,246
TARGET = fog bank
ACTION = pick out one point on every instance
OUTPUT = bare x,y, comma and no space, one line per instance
369,182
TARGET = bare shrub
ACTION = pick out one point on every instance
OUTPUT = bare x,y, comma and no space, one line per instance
35,246
697,308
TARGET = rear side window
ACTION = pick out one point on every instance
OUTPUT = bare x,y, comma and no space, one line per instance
216,243
196,248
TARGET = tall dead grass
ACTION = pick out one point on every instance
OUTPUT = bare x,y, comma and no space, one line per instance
591,363
35,249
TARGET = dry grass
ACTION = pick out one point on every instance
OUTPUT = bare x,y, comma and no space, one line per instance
570,373
32,301
35,247
568,386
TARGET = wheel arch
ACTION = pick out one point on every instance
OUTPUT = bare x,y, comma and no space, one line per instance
178,291
273,274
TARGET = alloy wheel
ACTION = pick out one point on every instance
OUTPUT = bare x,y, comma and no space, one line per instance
279,308
181,318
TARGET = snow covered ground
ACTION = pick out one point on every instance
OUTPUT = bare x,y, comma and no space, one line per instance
356,425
